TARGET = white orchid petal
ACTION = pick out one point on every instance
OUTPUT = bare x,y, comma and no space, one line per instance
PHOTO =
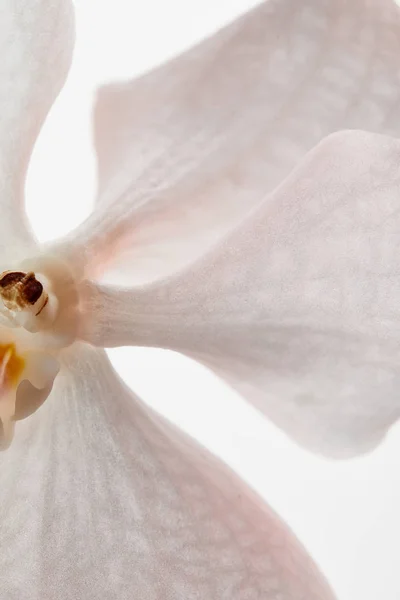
29,398
40,368
105,500
35,48
187,150
299,307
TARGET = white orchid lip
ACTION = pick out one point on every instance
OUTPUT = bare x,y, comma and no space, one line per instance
11,368
22,364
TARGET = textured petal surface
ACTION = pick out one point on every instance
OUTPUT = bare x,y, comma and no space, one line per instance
187,150
103,499
299,307
36,39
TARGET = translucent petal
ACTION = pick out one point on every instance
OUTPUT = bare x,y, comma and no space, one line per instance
186,151
298,308
105,500
35,47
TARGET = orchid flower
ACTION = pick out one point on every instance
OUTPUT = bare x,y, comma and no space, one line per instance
247,216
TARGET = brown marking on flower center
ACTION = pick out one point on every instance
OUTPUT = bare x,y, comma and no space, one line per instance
42,307
31,288
11,278
19,289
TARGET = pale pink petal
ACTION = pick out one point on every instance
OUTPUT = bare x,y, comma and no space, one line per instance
187,150
36,38
102,499
298,308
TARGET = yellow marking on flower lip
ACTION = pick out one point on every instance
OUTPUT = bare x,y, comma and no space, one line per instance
11,366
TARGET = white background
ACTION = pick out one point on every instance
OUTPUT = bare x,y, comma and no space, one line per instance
348,513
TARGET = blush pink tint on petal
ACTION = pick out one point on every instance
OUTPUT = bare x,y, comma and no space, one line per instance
186,151
114,503
298,308
36,40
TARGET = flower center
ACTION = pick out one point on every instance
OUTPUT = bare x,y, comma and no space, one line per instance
40,297
20,289
25,301
38,318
